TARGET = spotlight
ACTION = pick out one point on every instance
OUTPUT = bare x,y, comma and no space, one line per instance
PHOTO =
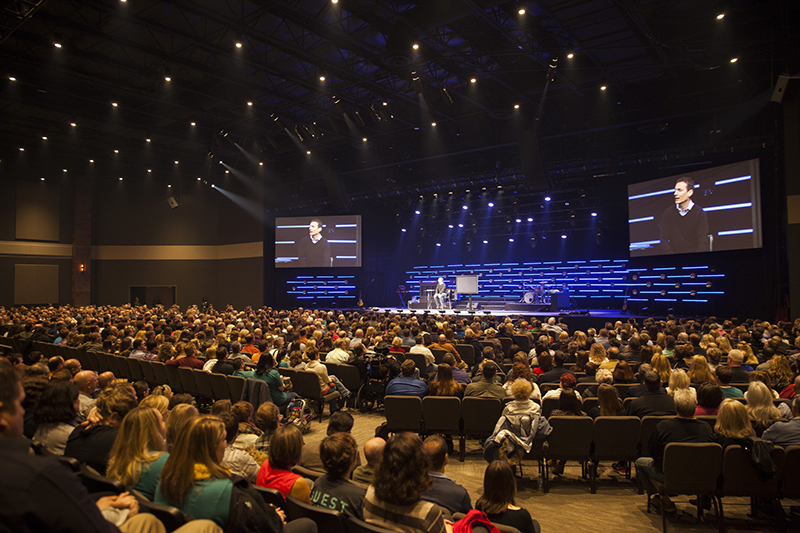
473,80
563,235
511,239
446,96
374,114
278,121
147,140
721,16
91,161
357,116
521,11
433,124
322,78
734,59
297,132
438,244
485,242
417,212
546,198
176,161
415,81
461,225
450,226
594,214
193,123
114,104
149,170
338,103
12,78
364,139
167,74
464,207
250,103
223,133
516,106
116,151
570,55
72,124
403,230
415,46
57,40
519,220
491,204
238,41
44,137
530,219
308,152
603,87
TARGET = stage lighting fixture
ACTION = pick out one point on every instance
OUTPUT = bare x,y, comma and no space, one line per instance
594,214
438,244
546,198
374,114
315,130
516,106
446,96
238,40
473,80
570,55
734,59
415,46
521,11
309,133
250,104
338,103
721,16
563,235
167,74
297,132
485,242
308,152
72,124
114,104
530,219
193,123
450,226
511,239
57,38
415,82
464,207
223,133
603,87
403,230
491,204
434,125
12,78
322,78
278,122
519,220
358,118
487,312
533,241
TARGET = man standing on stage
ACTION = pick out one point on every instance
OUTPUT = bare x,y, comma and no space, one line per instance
684,228
315,251
438,297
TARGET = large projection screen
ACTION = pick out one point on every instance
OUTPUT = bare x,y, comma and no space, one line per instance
337,243
726,211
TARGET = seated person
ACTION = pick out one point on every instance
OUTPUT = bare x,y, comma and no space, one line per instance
406,384
497,501
139,453
340,422
373,452
239,462
334,490
55,415
267,418
444,492
285,450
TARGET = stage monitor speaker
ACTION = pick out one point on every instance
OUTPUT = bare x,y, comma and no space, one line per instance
784,84
173,203
535,177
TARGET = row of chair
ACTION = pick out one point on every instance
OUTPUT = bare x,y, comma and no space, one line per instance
716,472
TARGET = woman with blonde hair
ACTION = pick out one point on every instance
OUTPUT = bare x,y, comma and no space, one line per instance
661,365
679,379
780,372
750,358
724,344
165,352
597,354
733,423
194,480
699,371
158,402
139,452
179,417
762,411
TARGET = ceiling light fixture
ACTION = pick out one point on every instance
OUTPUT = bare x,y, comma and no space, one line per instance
12,78
603,87
250,104
415,46
521,11
473,80
322,78
44,137
721,16
114,104
734,59
72,124
193,123
570,55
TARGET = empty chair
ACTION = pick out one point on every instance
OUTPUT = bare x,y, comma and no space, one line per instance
442,415
479,417
467,353
219,386
188,383
699,480
326,520
616,438
571,440
589,403
403,413
202,381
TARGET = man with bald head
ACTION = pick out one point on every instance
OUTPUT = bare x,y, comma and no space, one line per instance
104,379
373,452
86,381
74,366
55,363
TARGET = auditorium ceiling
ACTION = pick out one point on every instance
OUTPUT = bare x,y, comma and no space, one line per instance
569,89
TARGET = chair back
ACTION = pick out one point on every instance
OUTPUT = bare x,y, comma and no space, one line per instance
95,483
326,520
442,414
522,341
270,496
354,525
174,378
403,413
548,405
649,424
219,386
307,472
202,381
188,383
623,388
419,362
159,369
438,355
705,460
306,384
571,437
134,369
506,343
710,419
616,437
589,403
581,387
148,372
236,385
93,363
740,478
349,376
791,480
467,353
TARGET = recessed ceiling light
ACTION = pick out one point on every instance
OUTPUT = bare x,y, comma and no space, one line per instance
167,78
334,1
63,170
473,80
42,178
44,137
433,124
148,140
176,161
91,161
116,151
120,179
72,124
22,149
193,123
114,104
603,87
227,172
261,163
12,78
385,103
364,139
521,11
721,16
570,55
322,78
415,46
734,59
238,44
169,186
198,179
250,103
57,45
516,106
149,170
308,152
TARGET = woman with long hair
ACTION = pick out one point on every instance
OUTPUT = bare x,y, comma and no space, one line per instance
444,384
521,371
762,411
699,371
55,415
393,500
622,373
781,372
568,405
497,501
679,379
179,417
597,354
158,402
724,344
661,365
608,402
194,480
266,372
138,454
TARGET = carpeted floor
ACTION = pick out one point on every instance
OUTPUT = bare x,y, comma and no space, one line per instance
569,506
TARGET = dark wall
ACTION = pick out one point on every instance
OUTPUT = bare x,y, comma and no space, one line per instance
7,277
